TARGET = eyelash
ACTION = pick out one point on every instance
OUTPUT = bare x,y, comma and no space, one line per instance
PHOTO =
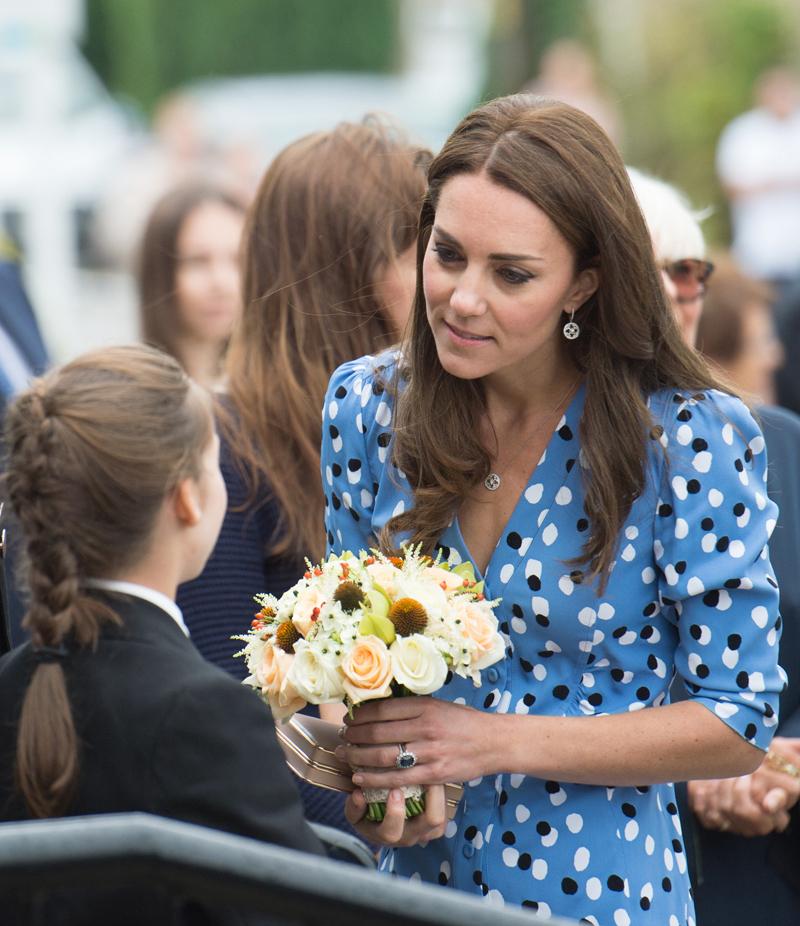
507,274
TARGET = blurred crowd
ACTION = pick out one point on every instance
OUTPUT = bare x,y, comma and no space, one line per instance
261,286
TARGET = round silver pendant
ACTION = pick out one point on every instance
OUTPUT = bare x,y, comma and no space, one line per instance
492,482
571,330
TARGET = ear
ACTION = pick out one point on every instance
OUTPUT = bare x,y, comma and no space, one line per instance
584,287
186,503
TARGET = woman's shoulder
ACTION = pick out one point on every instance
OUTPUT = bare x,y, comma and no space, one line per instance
708,417
361,392
372,371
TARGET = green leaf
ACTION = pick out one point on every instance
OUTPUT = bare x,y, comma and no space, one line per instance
465,570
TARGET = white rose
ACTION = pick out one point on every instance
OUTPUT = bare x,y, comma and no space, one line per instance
315,676
385,575
417,664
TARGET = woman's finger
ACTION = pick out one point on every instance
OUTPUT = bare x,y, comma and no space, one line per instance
378,757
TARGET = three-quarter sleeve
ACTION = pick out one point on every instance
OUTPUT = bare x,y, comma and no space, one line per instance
355,435
713,522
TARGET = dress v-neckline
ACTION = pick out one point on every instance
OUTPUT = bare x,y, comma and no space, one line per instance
567,426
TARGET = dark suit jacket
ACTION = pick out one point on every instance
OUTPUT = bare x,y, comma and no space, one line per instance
163,732
17,319
737,879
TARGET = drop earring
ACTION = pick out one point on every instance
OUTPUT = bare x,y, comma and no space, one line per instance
571,329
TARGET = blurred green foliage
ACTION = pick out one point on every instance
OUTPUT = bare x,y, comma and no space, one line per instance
679,71
144,48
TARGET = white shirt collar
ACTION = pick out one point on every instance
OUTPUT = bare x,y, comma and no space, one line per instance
146,594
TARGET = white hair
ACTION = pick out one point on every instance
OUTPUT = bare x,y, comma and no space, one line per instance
674,227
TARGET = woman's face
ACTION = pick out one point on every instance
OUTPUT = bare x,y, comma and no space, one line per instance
212,500
395,288
498,276
761,354
207,272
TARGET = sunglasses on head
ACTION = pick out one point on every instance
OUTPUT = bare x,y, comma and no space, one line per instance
689,270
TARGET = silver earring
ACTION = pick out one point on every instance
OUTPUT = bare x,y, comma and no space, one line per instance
571,329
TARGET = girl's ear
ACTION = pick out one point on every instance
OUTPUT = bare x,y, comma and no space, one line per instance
186,503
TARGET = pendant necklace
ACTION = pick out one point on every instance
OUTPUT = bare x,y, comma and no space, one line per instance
493,480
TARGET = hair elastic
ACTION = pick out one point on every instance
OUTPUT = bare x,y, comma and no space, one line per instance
47,654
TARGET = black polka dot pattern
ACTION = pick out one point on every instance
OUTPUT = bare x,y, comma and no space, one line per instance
690,591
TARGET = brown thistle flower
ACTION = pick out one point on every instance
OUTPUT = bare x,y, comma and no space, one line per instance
286,635
349,595
408,616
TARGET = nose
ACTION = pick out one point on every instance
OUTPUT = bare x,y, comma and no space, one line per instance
467,298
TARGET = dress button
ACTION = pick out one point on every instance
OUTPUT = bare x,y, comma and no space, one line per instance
468,850
492,675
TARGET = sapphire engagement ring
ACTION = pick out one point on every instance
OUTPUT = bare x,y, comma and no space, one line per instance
405,759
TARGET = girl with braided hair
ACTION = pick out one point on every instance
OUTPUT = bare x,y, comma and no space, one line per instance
114,478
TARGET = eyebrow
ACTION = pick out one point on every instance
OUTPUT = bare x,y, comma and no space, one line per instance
441,233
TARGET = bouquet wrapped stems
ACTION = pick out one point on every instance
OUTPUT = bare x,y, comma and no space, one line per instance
376,810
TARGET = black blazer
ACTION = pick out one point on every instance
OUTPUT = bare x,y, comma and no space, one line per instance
164,732
736,878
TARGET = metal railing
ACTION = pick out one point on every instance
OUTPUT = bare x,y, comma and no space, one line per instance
220,869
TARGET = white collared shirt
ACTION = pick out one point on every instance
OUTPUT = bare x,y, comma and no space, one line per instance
135,590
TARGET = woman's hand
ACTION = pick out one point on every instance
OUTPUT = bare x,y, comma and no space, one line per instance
394,829
751,805
729,805
451,742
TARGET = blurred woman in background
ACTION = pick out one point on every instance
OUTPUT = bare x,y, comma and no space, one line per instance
329,274
188,277
737,332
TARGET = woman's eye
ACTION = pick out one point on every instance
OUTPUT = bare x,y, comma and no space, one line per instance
446,255
515,277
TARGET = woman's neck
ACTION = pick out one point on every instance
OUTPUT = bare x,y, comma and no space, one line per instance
202,360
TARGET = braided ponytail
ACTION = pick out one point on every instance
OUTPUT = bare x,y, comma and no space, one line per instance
94,448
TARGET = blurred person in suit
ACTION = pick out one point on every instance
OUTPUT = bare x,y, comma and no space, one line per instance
188,276
114,477
742,836
23,355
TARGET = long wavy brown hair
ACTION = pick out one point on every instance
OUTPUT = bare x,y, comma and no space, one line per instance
332,212
629,346
93,450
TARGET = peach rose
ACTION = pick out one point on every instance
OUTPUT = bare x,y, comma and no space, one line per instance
481,629
451,580
309,600
272,676
367,669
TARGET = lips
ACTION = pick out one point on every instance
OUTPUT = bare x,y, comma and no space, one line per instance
462,335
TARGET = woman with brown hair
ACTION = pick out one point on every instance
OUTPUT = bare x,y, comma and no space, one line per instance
328,275
114,479
188,276
546,421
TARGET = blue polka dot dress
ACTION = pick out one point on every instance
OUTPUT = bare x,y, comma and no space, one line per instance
692,591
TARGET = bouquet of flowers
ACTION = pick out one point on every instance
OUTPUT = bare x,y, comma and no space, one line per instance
365,626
